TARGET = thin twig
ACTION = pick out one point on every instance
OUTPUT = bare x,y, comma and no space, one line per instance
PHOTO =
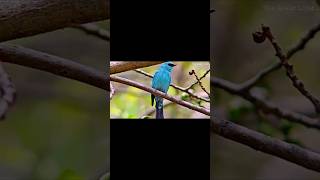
265,106
94,30
275,66
266,33
269,145
199,81
203,76
186,90
159,93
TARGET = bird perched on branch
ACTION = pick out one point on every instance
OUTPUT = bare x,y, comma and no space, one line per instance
161,81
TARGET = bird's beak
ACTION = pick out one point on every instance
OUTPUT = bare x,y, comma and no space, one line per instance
174,65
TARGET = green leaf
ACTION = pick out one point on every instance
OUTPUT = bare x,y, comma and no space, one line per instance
69,174
286,127
266,128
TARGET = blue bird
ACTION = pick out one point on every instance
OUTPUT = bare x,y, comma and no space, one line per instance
161,81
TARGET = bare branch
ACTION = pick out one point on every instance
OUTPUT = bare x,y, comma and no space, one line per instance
265,106
269,145
8,93
53,64
23,18
203,76
266,33
94,30
122,66
296,48
199,81
186,90
159,93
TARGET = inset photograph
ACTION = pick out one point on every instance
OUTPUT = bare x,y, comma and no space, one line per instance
159,90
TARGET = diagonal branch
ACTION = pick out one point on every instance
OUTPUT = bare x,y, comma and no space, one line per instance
186,90
122,66
203,76
23,18
94,30
266,33
53,64
265,106
269,145
159,93
296,48
199,81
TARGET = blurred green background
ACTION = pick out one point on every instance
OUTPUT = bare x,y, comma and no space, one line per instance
58,127
237,58
130,102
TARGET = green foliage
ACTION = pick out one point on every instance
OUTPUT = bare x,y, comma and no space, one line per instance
266,128
286,128
69,174
238,108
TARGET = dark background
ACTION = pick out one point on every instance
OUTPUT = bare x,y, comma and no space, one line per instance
58,127
237,58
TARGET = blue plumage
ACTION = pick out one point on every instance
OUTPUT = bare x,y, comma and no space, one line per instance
161,81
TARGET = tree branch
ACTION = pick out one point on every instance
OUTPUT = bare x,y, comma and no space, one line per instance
296,48
122,66
269,145
94,30
203,76
159,93
53,64
265,106
186,90
23,18
199,81
266,33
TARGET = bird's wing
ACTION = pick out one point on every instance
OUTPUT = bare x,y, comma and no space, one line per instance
154,84
161,81
152,99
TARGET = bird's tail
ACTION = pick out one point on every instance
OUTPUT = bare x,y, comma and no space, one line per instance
159,113
159,108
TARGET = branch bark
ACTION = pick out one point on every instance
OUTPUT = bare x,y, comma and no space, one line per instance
297,83
159,93
23,18
186,90
296,48
95,31
53,64
269,145
122,66
265,106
